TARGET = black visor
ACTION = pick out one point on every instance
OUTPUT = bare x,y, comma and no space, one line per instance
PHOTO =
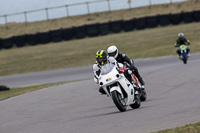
112,54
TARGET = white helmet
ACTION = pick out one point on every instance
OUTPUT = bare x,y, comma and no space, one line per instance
180,35
112,51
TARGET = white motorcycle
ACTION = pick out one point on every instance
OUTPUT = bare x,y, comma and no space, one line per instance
116,86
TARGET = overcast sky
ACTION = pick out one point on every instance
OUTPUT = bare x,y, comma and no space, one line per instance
18,6
15,6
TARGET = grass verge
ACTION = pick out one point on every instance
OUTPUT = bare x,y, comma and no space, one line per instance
190,128
22,90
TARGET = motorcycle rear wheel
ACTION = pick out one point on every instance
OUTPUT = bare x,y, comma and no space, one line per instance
137,102
143,96
119,102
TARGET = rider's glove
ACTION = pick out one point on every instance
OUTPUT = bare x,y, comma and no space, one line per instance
121,70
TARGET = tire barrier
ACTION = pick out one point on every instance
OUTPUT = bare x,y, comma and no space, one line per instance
4,88
116,26
151,22
68,34
7,43
0,43
43,38
128,25
20,41
196,16
93,30
56,35
176,18
188,17
104,28
80,32
164,20
32,39
140,23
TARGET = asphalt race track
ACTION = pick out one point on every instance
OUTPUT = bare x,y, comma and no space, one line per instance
173,90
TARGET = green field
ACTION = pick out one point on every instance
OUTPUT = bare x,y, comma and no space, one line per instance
136,44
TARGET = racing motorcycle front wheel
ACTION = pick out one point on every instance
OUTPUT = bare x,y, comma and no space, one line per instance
119,101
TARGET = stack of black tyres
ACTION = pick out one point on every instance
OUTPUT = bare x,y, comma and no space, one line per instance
80,32
92,30
187,17
43,37
68,34
56,35
164,20
19,41
140,23
0,43
128,25
32,39
196,16
7,43
104,28
176,19
151,21
116,26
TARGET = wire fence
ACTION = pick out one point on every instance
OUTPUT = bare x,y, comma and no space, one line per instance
78,9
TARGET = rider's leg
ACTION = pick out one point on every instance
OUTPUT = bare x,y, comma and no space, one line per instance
179,53
188,50
137,74
128,76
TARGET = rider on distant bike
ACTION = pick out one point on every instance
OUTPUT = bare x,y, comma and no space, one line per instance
181,41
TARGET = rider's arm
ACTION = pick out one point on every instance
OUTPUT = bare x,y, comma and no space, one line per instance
113,61
177,43
128,60
188,42
96,71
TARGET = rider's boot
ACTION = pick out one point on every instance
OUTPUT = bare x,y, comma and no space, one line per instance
142,82
101,90
188,55
180,56
136,94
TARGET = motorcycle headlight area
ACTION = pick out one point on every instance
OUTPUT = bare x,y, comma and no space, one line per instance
101,83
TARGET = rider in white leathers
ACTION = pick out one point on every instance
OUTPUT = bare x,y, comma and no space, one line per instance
102,63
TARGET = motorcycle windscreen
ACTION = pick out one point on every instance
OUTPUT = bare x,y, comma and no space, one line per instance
105,69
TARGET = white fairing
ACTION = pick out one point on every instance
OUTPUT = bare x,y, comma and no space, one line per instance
110,80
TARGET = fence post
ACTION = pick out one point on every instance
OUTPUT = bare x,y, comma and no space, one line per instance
5,16
47,13
88,8
129,2
67,10
25,16
109,5
150,4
